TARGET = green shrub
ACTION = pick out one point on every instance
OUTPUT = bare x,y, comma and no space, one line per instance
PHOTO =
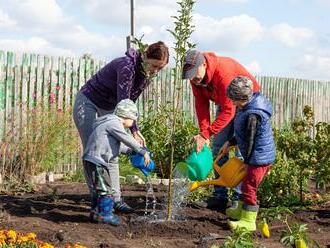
321,159
301,156
75,176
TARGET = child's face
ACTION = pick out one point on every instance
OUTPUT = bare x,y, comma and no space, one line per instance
240,103
127,123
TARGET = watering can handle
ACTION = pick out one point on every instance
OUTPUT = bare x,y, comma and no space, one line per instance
219,156
216,167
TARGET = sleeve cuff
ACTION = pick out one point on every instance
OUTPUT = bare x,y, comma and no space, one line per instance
206,134
142,151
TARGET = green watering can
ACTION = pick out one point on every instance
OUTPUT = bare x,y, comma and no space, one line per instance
198,165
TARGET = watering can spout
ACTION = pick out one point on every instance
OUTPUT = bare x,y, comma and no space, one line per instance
231,174
219,182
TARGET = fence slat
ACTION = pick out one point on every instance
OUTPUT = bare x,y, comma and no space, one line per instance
17,102
32,81
2,92
46,82
9,92
39,81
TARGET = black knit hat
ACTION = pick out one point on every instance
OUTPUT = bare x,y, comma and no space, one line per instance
240,89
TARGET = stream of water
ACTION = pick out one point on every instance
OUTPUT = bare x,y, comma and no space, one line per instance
150,200
180,189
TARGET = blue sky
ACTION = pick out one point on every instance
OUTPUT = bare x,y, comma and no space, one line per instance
277,38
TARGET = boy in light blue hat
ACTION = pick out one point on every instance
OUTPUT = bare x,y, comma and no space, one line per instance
107,141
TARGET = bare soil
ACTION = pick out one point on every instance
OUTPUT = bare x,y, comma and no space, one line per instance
59,213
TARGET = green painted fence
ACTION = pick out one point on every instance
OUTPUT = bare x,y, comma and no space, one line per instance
30,80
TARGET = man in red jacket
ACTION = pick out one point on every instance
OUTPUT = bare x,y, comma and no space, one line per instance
209,76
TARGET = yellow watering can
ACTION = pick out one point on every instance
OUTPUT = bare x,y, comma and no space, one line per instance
231,173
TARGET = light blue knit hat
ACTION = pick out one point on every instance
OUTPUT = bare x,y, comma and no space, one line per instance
127,109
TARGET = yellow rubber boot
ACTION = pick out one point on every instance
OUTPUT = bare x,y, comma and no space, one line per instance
247,220
235,212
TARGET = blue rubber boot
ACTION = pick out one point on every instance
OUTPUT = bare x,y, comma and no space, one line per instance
105,211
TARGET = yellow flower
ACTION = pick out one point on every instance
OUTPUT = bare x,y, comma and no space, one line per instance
23,239
11,234
3,236
31,236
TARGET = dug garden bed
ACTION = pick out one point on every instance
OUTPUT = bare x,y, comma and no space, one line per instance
59,213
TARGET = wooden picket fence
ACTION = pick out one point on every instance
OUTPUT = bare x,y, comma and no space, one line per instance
30,79
288,97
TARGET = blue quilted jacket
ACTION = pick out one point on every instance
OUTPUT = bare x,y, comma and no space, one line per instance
264,148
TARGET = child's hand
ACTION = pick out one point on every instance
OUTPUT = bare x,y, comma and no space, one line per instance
225,148
146,159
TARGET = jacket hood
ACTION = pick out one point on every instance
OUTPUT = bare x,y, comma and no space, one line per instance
259,102
133,54
211,63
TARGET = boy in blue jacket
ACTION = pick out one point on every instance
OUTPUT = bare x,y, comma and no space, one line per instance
254,137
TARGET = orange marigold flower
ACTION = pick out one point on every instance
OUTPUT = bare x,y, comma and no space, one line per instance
2,241
46,245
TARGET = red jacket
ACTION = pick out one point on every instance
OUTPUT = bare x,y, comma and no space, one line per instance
220,71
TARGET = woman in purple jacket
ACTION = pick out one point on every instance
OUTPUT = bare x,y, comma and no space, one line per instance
122,78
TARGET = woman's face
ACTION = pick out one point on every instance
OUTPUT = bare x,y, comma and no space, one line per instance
153,66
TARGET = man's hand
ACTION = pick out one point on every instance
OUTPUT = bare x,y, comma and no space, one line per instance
139,138
146,159
200,141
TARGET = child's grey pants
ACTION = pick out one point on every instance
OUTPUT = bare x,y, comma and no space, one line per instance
84,114
105,180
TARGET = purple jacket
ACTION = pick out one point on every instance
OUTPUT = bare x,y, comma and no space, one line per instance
122,78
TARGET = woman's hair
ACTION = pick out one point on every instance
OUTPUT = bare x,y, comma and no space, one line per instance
158,51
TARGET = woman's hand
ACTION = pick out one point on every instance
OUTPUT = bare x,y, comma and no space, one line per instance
139,138
200,141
